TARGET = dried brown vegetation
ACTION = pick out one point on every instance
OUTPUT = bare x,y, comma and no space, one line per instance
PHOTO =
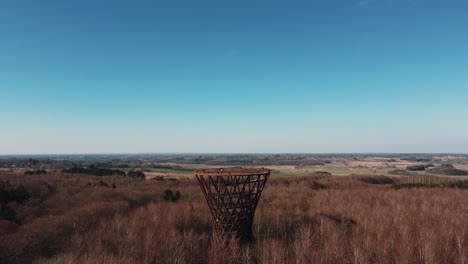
347,220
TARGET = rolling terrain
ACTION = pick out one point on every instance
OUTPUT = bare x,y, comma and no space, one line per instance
341,210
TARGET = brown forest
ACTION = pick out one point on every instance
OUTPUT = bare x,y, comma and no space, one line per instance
326,219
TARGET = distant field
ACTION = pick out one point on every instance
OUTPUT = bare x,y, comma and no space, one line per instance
340,167
173,171
287,174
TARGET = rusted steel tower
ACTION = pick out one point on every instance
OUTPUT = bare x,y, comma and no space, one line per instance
232,195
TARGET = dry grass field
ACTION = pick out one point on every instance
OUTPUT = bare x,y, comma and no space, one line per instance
84,219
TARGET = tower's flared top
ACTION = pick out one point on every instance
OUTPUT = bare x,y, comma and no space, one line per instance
238,171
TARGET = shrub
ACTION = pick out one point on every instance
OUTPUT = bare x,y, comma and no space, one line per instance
377,180
136,174
103,184
159,178
416,168
401,172
414,185
321,173
10,194
459,184
169,196
448,171
317,186
452,184
36,172
93,171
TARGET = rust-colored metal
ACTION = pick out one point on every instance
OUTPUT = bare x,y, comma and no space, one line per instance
232,195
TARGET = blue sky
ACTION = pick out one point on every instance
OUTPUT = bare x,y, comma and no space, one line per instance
233,76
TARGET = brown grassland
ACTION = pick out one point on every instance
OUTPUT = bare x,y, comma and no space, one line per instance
78,219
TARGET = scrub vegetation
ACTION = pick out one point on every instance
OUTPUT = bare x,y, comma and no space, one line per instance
76,218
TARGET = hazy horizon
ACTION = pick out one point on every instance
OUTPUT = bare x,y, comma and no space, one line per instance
364,76
235,153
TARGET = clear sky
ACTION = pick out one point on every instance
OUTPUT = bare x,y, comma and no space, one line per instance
91,76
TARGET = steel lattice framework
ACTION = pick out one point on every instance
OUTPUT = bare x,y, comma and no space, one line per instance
232,195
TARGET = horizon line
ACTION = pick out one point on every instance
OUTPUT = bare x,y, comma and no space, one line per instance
233,153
